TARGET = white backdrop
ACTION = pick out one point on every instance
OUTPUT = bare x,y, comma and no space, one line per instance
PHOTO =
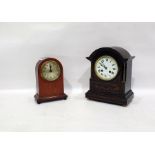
23,44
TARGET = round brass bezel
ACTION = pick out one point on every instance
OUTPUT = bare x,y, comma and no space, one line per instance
57,68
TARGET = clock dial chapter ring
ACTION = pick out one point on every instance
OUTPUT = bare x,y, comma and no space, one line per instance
106,68
50,70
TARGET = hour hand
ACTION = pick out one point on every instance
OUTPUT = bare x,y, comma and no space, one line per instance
103,66
50,68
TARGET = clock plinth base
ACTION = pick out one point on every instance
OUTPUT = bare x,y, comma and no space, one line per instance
123,100
48,99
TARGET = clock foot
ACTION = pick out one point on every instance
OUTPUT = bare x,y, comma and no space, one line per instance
48,99
123,100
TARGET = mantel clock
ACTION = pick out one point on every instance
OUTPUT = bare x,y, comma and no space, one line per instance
49,80
111,70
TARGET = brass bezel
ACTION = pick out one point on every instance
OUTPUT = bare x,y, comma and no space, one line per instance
59,70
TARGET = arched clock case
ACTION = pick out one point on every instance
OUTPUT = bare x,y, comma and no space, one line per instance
49,80
111,71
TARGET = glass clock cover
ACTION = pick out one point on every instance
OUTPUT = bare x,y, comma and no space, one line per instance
106,68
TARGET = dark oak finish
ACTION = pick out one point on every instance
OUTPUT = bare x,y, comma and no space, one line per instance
49,90
117,91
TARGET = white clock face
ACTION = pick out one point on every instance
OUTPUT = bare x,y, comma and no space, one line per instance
106,68
50,70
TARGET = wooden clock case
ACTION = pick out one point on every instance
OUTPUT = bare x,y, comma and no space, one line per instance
49,90
117,91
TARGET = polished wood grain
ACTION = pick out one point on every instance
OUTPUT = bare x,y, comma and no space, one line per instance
49,90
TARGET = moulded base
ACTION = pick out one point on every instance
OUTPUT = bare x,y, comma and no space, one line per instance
48,99
122,100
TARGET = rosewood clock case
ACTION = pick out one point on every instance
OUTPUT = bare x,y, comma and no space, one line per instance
118,90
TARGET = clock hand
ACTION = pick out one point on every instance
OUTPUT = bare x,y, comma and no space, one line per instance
103,66
50,68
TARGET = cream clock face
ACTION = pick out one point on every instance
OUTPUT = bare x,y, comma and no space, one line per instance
106,68
50,70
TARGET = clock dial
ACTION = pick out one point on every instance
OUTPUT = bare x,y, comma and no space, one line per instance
106,68
50,70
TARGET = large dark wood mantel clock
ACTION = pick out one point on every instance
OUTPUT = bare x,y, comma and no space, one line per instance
111,71
49,80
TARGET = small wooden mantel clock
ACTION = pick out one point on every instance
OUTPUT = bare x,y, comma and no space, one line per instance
49,80
111,70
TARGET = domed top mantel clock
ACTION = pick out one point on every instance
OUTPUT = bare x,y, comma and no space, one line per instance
49,80
110,81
